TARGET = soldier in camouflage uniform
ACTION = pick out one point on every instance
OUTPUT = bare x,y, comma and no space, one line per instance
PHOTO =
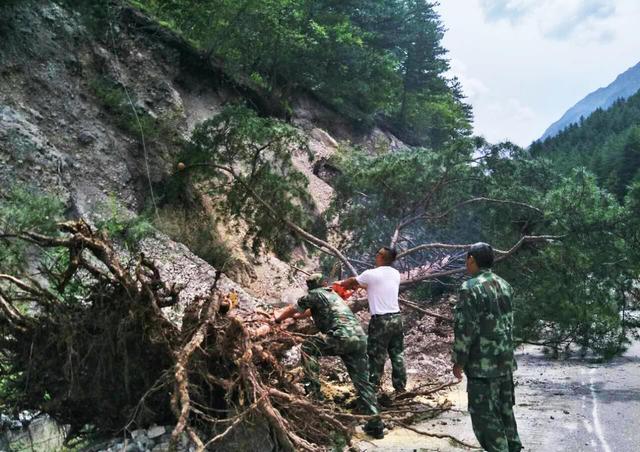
483,349
340,335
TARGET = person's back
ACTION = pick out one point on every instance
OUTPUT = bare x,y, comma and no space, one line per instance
331,314
341,335
382,285
487,298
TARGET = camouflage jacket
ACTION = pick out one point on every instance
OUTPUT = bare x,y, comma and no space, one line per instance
330,313
483,326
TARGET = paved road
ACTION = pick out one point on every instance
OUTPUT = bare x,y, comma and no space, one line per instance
579,406
572,405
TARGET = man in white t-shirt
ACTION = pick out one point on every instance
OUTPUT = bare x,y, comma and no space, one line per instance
386,332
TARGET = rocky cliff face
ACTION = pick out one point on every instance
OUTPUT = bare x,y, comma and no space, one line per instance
94,114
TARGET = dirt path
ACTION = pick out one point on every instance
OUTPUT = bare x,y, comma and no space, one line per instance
572,405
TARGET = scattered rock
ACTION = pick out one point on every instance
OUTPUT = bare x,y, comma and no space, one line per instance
134,447
324,138
156,431
85,137
162,447
137,433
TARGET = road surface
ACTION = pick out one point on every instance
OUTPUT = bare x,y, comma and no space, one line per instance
569,405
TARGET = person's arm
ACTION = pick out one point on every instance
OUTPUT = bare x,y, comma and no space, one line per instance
301,310
350,284
285,314
302,315
356,282
466,330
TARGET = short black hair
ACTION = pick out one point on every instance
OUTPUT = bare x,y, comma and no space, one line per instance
482,253
390,254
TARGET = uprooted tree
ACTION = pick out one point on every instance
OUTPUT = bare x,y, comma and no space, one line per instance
94,335
76,330
247,159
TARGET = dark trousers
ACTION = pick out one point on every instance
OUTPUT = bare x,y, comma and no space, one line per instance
386,337
352,350
491,402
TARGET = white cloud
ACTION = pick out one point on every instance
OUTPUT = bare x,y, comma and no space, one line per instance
507,9
526,65
513,108
556,19
493,114
473,88
505,119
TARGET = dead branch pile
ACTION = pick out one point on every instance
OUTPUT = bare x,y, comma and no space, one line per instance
91,347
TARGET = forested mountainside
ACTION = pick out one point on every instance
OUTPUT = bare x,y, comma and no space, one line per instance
607,143
370,60
625,85
167,162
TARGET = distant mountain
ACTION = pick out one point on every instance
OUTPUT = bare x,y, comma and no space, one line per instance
624,86
607,143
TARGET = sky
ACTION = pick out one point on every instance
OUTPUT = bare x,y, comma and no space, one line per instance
523,63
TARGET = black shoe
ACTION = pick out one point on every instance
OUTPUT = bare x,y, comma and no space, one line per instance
384,400
376,432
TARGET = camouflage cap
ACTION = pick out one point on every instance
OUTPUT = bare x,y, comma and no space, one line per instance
315,280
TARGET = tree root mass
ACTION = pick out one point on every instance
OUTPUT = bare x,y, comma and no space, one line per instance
95,336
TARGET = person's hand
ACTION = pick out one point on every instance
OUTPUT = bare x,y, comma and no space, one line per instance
457,371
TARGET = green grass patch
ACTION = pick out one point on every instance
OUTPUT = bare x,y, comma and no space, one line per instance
120,226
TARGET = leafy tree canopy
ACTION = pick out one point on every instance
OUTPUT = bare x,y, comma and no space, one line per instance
368,59
572,273
245,162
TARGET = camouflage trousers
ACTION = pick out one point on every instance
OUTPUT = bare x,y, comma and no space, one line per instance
386,337
491,402
352,350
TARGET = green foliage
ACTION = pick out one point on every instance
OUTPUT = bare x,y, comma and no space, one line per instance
338,442
128,115
598,263
393,187
118,225
244,161
432,120
365,58
607,143
25,209
571,291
